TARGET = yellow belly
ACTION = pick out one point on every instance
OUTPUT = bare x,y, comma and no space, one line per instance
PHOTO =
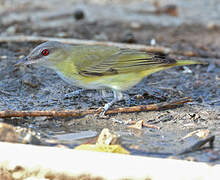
118,82
123,81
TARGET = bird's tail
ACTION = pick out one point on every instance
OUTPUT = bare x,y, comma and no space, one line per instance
187,62
177,63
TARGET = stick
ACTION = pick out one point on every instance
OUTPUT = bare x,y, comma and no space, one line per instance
151,126
140,47
80,113
40,39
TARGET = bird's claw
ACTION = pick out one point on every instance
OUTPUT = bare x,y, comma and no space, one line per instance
102,113
103,116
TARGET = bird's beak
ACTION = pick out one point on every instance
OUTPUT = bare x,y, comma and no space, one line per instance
22,61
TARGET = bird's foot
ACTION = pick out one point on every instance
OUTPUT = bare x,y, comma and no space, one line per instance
117,97
105,108
101,114
104,93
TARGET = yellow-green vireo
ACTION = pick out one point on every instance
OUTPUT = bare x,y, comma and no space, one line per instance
99,67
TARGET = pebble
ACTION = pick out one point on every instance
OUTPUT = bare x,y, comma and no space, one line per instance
61,34
212,26
21,56
135,25
31,81
153,42
187,70
3,57
211,68
79,14
129,38
11,30
101,37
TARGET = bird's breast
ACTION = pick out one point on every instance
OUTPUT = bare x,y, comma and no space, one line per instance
78,81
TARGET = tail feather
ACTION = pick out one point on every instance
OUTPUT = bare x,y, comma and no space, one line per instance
177,63
187,62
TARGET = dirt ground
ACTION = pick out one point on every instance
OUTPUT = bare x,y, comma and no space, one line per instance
37,88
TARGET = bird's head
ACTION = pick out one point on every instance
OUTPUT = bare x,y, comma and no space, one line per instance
45,54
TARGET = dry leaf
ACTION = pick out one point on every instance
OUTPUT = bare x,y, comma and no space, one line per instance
151,126
105,143
106,137
202,133
8,133
103,148
137,125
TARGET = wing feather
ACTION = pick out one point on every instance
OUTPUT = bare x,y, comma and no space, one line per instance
102,61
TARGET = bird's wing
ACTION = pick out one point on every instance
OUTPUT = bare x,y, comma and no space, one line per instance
109,61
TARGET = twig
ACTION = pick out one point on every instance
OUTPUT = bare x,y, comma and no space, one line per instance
196,54
141,47
80,113
151,126
198,145
40,39
140,124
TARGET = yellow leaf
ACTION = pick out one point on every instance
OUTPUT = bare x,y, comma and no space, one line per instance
102,148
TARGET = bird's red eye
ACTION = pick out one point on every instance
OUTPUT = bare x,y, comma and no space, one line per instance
45,52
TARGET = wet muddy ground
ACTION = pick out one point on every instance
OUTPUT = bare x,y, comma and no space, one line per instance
37,88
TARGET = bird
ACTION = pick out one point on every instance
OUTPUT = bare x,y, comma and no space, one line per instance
99,66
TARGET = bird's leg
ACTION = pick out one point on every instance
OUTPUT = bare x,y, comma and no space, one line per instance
103,93
117,97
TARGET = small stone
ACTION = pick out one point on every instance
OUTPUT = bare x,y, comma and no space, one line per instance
3,57
101,37
129,38
170,9
187,70
46,91
211,68
79,14
40,118
21,56
153,42
200,99
31,81
11,30
212,26
139,96
135,25
62,34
